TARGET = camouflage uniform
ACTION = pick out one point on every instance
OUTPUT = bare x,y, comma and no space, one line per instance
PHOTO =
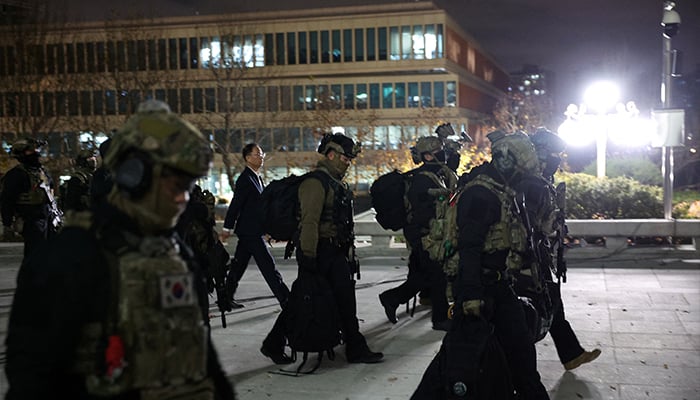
121,295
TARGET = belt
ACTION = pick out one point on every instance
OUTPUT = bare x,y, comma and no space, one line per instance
493,276
331,241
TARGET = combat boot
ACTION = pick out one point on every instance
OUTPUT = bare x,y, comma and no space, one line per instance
389,307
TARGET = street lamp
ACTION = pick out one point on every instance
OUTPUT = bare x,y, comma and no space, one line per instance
624,126
670,21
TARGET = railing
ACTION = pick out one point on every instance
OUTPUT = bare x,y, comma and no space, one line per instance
373,240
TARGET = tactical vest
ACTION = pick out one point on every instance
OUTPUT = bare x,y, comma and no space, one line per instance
155,314
508,233
38,185
339,211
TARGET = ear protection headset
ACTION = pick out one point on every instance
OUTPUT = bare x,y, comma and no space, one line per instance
134,174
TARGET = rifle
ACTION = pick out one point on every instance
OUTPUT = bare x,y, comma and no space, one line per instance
218,268
562,231
533,246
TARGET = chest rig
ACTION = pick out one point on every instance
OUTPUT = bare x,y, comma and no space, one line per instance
38,187
153,339
509,232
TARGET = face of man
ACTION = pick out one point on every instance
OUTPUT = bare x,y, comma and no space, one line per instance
173,193
255,159
340,161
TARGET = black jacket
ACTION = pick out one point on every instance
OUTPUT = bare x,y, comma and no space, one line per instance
59,290
244,214
422,203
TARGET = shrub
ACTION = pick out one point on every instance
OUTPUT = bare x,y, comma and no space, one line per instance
588,197
635,167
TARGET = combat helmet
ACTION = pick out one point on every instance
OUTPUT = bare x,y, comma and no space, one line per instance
429,144
83,157
339,143
546,143
513,154
21,146
163,138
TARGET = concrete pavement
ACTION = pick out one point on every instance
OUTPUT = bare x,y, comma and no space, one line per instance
646,320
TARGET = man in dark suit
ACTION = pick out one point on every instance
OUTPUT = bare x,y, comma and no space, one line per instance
244,218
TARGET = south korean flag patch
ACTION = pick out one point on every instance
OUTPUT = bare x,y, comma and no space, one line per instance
176,291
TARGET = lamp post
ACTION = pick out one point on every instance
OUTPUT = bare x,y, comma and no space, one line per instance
670,21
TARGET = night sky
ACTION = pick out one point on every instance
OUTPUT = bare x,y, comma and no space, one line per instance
579,41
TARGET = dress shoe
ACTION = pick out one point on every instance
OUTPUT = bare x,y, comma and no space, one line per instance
585,357
236,305
366,356
277,358
442,325
389,308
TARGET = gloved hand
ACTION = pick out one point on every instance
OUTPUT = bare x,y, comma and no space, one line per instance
480,308
308,264
472,307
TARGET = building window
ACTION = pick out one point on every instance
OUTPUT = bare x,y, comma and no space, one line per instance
3,69
172,54
387,95
426,95
279,47
313,47
132,58
185,101
359,45
303,48
98,102
259,51
371,45
173,100
440,43
347,45
294,139
260,98
348,97
361,96
413,96
430,42
184,55
285,98
418,42
194,53
325,47
395,43
439,94
85,102
70,58
269,50
298,98
400,94
336,45
49,107
309,140
291,48
91,64
162,55
110,102
406,42
451,94
80,57
382,38
272,98
210,99
374,95
197,100
152,51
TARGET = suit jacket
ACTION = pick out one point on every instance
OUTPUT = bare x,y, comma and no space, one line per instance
244,214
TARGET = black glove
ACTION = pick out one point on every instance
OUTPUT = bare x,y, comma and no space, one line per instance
308,264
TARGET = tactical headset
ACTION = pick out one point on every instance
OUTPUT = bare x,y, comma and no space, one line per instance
134,174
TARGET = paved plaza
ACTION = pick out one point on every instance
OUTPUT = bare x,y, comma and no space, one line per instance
645,319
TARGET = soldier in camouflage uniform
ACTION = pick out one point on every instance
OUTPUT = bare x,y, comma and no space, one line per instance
77,194
325,246
430,181
27,204
544,203
492,242
115,308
